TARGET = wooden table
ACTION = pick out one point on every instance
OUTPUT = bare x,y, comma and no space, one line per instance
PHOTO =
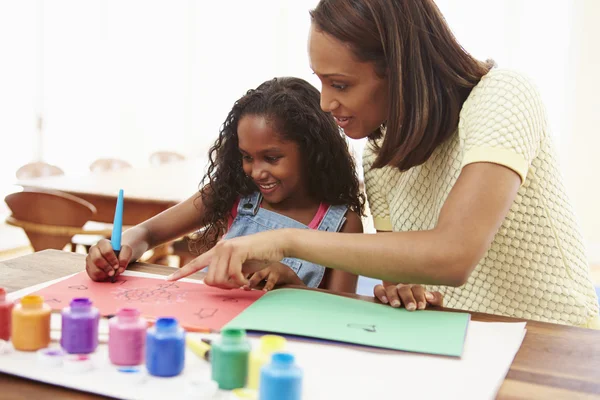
148,191
554,362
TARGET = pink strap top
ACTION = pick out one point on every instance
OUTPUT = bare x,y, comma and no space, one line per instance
314,224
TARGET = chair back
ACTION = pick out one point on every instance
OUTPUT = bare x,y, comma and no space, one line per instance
49,218
108,164
37,170
165,157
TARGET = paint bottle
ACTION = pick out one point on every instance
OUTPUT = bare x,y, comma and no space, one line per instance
127,337
31,324
229,359
79,331
165,348
269,344
5,315
281,379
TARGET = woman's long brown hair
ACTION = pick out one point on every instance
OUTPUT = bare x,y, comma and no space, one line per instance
429,74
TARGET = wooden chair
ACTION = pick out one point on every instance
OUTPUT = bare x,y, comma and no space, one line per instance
164,157
50,218
108,164
38,169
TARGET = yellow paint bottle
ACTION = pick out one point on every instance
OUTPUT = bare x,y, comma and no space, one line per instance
269,344
31,324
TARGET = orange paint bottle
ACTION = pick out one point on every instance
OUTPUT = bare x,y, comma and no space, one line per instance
31,324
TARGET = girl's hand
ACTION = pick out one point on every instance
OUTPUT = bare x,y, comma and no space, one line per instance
275,274
413,297
102,262
231,260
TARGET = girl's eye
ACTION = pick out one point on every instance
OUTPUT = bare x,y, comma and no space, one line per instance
246,158
339,86
272,159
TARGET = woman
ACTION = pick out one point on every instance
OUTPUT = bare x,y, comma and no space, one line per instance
460,170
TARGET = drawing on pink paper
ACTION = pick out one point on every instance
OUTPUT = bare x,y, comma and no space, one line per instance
194,305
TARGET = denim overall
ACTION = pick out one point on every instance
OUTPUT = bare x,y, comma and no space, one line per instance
251,218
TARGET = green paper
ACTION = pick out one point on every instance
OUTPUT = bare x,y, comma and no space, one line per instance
331,317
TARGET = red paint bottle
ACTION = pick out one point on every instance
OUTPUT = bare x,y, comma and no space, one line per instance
5,315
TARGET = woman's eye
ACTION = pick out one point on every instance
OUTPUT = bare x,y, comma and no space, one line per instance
272,159
339,86
246,158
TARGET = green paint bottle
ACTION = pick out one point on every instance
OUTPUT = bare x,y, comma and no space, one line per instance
229,359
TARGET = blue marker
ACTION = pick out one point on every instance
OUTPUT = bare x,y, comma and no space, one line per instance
115,238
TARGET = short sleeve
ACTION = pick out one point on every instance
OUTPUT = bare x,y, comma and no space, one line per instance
376,190
503,122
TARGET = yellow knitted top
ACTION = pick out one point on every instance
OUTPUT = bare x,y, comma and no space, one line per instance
536,267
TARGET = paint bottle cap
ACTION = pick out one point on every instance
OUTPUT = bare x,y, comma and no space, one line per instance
128,314
282,360
80,304
203,389
32,301
229,335
78,363
2,294
166,324
51,357
272,343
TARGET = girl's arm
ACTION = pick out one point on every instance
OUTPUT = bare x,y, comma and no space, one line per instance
342,281
444,255
102,262
165,227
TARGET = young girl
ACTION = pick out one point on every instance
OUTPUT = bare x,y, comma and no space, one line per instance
279,162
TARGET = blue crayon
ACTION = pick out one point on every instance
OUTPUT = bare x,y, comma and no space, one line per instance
115,238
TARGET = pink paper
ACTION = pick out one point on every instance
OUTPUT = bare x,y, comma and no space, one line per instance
194,305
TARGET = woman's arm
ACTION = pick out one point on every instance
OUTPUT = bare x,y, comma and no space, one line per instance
342,281
444,255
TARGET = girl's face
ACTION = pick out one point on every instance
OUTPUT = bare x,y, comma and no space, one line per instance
273,164
351,90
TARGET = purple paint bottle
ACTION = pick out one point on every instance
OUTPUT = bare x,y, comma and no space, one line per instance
80,327
127,337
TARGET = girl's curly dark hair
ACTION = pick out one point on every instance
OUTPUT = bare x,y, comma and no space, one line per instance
292,105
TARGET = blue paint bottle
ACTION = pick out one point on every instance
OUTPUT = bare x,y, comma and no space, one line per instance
165,348
281,379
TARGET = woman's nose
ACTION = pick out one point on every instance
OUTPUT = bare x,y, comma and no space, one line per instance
328,102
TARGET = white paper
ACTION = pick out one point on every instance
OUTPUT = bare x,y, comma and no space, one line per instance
330,371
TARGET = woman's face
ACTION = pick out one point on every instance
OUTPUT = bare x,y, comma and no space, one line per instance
350,90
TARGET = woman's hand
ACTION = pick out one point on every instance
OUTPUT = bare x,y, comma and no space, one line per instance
413,297
231,260
275,274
